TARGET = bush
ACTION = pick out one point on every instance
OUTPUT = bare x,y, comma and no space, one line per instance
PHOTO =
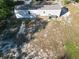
76,0
5,8
66,2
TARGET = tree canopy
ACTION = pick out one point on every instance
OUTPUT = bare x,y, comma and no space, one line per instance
77,0
5,8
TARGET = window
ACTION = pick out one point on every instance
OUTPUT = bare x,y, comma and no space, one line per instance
29,12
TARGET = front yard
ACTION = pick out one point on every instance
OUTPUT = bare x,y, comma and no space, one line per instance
56,36
72,44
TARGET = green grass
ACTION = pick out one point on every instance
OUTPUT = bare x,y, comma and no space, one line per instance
72,50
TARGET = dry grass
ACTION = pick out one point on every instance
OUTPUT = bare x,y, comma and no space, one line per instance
51,38
74,31
72,43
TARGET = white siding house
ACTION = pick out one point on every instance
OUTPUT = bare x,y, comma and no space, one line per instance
45,10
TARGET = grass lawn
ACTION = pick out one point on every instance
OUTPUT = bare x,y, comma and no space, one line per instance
72,50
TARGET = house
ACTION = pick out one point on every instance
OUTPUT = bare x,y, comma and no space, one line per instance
24,11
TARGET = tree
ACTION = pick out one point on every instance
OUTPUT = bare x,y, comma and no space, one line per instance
5,8
76,0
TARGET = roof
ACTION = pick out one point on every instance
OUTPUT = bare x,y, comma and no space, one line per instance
51,7
23,14
21,11
39,7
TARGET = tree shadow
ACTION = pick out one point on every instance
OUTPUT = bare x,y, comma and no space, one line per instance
18,41
65,56
31,28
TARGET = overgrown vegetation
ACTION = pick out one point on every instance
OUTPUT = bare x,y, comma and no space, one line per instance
77,0
5,8
68,1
